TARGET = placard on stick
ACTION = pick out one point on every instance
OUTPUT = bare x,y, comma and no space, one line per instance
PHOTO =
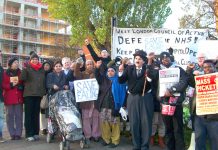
86,90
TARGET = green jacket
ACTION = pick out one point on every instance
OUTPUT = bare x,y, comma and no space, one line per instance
34,82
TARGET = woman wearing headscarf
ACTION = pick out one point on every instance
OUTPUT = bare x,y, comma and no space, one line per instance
34,80
47,66
111,98
13,99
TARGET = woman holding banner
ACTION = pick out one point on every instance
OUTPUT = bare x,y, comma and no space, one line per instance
90,114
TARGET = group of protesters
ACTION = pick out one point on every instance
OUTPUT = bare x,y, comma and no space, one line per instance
123,86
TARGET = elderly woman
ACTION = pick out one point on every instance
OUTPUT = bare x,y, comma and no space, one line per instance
13,99
34,80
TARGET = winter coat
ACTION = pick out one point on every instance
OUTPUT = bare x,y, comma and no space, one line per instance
54,79
96,58
12,94
135,83
1,79
34,81
105,91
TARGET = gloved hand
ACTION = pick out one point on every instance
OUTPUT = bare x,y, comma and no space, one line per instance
123,113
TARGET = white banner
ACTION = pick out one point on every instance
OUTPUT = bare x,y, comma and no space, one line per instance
184,42
168,78
86,90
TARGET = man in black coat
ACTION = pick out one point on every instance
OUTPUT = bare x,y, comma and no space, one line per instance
139,101
174,124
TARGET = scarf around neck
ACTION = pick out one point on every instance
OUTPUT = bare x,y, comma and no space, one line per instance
35,66
118,91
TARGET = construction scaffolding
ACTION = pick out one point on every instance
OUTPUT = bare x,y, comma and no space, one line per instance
26,26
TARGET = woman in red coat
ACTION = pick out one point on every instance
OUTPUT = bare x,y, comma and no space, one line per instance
13,99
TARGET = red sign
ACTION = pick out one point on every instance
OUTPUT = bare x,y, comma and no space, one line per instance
207,94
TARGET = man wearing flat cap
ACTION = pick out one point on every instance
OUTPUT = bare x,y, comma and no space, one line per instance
139,101
174,123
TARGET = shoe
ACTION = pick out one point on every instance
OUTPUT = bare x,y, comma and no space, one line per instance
17,137
44,132
36,137
152,141
13,137
161,142
112,145
2,140
95,139
104,143
87,143
30,139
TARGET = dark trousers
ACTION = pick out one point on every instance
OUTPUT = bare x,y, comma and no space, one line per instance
205,128
32,109
14,119
140,111
174,130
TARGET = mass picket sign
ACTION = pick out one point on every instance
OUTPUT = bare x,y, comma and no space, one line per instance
86,90
207,94
184,42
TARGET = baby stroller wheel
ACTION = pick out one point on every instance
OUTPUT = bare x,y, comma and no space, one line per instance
48,138
62,145
82,143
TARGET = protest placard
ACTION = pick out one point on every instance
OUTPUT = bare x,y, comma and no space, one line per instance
168,78
183,41
86,90
206,94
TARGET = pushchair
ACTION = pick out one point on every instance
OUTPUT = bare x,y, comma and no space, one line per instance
63,111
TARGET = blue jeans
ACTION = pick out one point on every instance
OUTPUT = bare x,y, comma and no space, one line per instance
205,128
1,117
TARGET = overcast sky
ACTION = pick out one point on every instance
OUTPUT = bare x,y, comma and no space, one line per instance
172,21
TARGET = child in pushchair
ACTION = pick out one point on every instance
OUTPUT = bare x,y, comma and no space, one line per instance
64,115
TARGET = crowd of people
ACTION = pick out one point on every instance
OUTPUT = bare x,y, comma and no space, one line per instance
132,87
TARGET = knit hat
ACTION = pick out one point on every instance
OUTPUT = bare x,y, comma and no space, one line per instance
11,60
112,67
34,55
209,61
47,62
141,54
164,55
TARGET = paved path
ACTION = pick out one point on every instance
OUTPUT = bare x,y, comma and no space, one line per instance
42,145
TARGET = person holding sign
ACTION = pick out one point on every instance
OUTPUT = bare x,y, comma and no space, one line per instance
111,99
194,69
206,125
140,100
13,98
90,114
172,96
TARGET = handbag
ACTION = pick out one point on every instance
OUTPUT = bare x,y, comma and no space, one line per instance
44,102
